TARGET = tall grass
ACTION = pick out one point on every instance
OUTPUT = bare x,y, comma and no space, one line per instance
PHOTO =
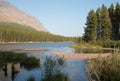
105,69
7,57
31,78
86,48
96,46
53,70
22,58
105,43
57,77
53,67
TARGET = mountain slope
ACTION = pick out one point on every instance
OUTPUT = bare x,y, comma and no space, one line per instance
9,13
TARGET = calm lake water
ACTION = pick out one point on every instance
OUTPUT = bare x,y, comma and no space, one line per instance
75,68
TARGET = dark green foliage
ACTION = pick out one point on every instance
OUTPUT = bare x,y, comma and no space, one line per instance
30,60
7,57
117,22
106,43
77,39
104,28
96,46
12,32
112,16
108,24
112,12
105,23
91,27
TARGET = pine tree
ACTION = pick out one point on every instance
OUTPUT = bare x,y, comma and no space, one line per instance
105,23
117,21
91,27
99,27
112,17
112,12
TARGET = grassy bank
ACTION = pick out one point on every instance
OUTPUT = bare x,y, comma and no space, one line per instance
22,58
105,69
86,48
97,46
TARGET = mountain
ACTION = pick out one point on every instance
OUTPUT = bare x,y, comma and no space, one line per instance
9,13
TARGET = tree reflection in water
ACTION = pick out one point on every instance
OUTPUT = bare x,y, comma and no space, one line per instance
10,70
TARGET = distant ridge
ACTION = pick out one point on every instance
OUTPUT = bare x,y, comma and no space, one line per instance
9,13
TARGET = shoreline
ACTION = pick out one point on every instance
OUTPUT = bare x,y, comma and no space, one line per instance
28,42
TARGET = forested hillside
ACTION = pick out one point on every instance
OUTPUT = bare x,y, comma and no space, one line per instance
103,24
12,32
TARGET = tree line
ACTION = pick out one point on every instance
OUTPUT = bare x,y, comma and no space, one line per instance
12,32
103,24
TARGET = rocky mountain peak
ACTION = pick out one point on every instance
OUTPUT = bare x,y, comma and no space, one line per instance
9,13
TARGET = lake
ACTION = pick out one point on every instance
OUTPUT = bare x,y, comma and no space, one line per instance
75,68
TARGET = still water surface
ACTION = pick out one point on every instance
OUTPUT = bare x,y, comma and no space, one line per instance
75,68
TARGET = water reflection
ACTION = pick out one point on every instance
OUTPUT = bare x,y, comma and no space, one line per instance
74,69
29,67
54,47
5,70
9,71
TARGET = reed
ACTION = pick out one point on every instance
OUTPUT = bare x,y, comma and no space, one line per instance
105,69
31,78
53,69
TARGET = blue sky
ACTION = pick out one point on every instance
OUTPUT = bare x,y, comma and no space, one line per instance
61,17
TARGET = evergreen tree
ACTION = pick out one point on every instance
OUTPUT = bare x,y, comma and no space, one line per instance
9,33
91,27
99,27
117,21
112,12
105,23
112,17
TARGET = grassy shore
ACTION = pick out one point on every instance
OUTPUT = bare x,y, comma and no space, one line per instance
22,58
86,48
104,69
31,42
96,46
